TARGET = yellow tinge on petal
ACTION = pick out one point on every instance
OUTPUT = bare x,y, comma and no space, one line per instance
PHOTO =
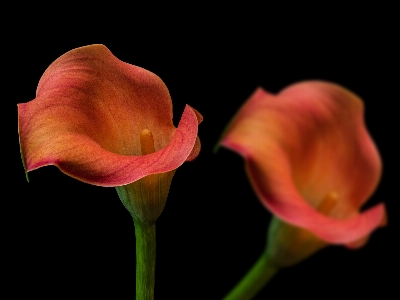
312,163
86,119
145,198
108,123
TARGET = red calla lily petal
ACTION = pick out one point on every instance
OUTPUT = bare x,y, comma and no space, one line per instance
89,111
304,143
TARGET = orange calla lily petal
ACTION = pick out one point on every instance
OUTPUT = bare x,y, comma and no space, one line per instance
304,144
89,111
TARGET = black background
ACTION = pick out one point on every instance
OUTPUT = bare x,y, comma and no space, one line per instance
68,238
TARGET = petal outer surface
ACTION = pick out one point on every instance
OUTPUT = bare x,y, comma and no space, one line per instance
87,116
300,145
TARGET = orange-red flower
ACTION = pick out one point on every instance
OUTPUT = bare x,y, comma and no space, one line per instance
312,163
88,115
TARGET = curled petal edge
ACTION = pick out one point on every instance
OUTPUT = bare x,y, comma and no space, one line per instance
92,164
351,232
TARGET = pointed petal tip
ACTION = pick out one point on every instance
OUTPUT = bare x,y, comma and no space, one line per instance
260,92
310,106
199,116
241,150
19,107
363,240
104,166
352,232
197,145
97,166
216,148
26,172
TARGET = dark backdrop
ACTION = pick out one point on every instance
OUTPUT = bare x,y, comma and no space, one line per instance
73,238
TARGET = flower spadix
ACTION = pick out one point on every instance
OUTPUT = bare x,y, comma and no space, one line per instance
105,122
312,164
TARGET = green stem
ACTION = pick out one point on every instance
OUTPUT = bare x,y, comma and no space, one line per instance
145,260
254,280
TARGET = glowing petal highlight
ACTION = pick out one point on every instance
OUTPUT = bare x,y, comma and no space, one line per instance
88,114
302,144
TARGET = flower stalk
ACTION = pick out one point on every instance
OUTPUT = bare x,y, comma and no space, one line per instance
89,110
255,279
305,143
312,164
145,200
145,260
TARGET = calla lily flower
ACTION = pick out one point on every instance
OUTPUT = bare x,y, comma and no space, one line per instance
312,164
90,114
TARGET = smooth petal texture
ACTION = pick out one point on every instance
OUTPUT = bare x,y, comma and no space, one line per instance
89,111
302,144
